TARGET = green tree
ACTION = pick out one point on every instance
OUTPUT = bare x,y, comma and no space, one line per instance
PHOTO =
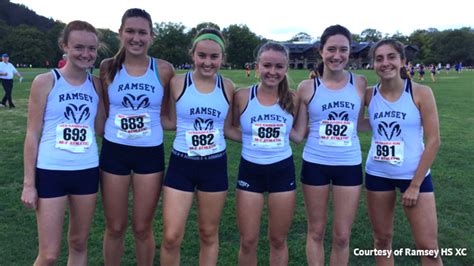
28,46
400,37
192,33
4,31
171,43
241,44
356,37
454,46
422,39
301,37
52,35
371,35
109,44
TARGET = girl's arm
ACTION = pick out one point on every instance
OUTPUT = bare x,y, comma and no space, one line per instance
40,89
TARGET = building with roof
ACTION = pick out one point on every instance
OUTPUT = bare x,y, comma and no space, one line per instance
306,55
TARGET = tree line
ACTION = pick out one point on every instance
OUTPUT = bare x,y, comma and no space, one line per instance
35,41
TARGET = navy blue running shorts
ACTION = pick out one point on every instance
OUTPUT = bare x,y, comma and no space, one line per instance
58,183
314,174
271,178
204,173
376,183
121,159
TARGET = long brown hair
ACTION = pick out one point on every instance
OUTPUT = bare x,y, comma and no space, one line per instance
285,97
328,32
72,26
119,57
398,46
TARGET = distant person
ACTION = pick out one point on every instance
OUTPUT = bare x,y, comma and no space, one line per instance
421,72
265,112
132,156
411,71
7,70
433,72
62,61
448,67
60,154
405,141
458,67
247,70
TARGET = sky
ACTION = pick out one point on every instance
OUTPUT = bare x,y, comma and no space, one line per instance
273,19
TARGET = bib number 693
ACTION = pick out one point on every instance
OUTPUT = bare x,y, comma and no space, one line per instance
74,134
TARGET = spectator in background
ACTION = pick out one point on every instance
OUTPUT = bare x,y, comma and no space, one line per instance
62,61
7,70
421,72
247,70
433,72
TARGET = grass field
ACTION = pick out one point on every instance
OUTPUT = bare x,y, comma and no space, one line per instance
452,176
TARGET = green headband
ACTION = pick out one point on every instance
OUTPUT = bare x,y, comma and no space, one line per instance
210,36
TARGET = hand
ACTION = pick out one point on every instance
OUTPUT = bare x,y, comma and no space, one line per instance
20,79
29,197
410,197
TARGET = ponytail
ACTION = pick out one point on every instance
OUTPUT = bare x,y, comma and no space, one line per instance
403,73
285,97
321,69
115,66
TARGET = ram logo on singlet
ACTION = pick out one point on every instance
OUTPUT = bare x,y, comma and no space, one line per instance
389,130
130,101
201,124
342,116
77,114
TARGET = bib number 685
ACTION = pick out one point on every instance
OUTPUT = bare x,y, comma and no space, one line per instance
268,132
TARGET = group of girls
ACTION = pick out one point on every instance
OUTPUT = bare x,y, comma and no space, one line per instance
137,96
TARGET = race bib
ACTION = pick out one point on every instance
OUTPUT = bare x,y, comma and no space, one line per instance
73,137
268,135
133,126
388,151
336,133
202,142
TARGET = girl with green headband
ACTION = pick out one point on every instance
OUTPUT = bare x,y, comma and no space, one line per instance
200,103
